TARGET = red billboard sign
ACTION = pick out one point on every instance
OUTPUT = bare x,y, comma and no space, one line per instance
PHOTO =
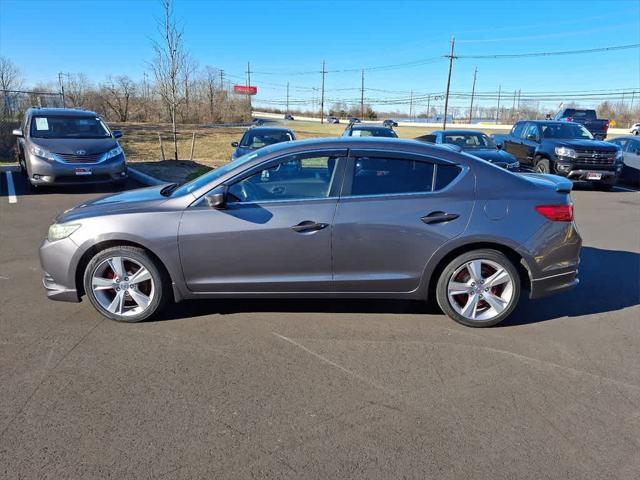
245,90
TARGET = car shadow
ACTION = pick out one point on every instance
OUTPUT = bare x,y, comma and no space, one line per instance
603,288
609,281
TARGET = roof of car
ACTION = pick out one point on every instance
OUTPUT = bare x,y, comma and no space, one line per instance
62,112
364,126
458,132
269,129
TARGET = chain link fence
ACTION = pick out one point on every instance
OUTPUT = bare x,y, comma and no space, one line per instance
13,104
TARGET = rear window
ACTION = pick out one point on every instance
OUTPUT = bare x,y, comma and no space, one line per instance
580,114
381,176
256,139
373,132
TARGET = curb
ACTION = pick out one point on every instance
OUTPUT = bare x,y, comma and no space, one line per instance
143,178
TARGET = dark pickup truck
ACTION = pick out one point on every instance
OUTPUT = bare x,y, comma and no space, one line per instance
566,149
588,118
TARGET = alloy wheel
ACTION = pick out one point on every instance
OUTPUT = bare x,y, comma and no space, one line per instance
480,290
122,286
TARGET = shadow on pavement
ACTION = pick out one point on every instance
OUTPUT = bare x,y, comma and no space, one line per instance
609,281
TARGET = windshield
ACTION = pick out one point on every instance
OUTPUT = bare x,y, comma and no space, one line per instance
469,140
202,180
258,139
566,131
68,127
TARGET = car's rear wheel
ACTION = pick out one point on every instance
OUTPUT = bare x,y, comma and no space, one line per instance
479,288
125,284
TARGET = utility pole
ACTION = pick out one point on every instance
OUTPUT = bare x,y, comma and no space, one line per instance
322,97
473,91
61,88
446,98
498,109
221,79
362,96
287,97
513,107
411,106
248,85
519,96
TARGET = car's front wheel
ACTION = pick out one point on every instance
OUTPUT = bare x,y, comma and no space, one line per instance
124,283
479,288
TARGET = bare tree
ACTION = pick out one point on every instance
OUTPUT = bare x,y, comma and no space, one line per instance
169,64
10,79
76,90
118,95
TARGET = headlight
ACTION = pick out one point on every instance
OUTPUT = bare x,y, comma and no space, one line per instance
41,152
619,156
566,152
514,165
112,153
58,231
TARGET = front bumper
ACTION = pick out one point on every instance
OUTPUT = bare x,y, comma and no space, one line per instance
59,260
48,172
606,176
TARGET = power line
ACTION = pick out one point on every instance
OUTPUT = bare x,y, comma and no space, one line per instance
549,54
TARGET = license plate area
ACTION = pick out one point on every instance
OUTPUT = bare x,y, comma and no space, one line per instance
83,171
594,176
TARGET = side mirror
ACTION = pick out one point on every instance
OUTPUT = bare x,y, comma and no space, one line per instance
532,137
234,144
217,198
116,134
499,146
18,132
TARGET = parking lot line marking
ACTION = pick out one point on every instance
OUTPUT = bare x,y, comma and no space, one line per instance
626,189
335,365
11,188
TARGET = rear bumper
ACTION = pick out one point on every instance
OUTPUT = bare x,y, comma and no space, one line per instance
550,285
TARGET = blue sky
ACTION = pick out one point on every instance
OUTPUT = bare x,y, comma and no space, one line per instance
101,38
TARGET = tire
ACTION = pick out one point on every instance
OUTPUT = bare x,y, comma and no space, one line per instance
457,277
542,165
124,299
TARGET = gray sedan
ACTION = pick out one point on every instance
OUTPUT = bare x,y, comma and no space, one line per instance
345,217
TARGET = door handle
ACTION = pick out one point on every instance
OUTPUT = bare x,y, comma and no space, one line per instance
439,217
308,226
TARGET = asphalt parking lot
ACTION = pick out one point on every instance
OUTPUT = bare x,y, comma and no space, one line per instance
322,389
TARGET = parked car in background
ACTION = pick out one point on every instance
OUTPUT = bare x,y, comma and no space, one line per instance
259,137
354,120
564,148
363,130
257,122
390,123
288,116
475,143
332,119
630,146
65,146
333,217
635,129
588,118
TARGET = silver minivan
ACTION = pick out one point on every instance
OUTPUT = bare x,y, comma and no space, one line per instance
65,146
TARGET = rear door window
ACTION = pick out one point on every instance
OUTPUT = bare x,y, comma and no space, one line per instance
388,176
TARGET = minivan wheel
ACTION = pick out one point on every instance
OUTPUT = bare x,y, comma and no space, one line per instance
479,288
124,283
542,165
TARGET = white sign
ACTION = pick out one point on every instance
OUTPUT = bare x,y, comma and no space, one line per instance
42,123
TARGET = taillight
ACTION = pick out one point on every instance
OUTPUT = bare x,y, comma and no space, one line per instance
556,213
606,126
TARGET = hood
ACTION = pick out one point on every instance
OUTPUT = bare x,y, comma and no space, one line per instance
129,201
582,144
492,155
72,145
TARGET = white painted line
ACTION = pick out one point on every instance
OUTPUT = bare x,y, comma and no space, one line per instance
11,188
626,189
